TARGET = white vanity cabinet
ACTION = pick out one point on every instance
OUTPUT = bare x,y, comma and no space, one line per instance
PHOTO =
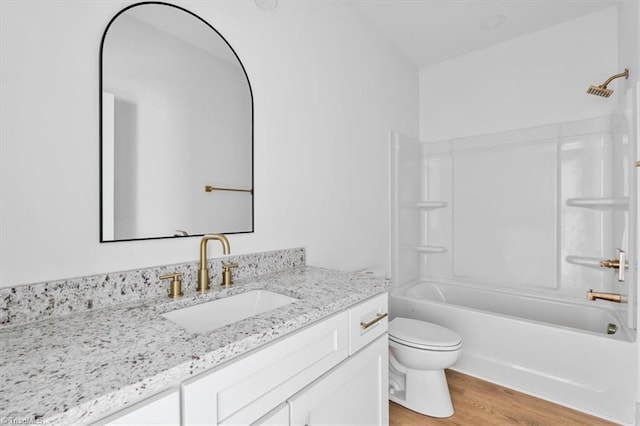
333,371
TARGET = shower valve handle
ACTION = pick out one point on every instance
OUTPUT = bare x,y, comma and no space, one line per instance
620,264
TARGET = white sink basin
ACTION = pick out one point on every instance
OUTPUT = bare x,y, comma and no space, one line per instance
220,312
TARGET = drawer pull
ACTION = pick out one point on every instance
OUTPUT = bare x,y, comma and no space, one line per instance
378,317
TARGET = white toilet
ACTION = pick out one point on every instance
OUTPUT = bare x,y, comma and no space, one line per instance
418,354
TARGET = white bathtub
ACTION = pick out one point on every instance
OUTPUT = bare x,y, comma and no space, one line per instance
556,350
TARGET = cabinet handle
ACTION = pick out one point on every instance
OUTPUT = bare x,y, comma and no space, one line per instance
378,317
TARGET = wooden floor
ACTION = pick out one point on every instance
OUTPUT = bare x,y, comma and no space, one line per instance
481,403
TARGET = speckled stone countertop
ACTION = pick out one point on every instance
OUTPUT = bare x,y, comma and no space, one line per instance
81,367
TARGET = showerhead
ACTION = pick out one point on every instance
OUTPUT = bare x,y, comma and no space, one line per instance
602,89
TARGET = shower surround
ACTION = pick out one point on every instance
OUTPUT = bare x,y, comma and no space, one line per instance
501,225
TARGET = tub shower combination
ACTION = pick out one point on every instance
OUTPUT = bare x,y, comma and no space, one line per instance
500,238
559,351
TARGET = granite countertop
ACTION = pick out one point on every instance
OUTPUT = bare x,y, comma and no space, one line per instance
81,367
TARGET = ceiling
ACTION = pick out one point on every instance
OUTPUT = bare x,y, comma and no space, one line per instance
431,31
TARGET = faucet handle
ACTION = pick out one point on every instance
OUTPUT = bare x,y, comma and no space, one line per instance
620,264
175,290
227,275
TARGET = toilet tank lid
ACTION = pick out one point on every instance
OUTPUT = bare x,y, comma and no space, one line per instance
423,333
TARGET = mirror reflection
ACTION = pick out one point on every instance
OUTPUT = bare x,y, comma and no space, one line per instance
176,128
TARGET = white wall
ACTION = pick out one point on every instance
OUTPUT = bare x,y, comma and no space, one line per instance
327,89
520,191
629,40
536,79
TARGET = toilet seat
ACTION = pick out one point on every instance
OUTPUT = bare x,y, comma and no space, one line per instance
423,335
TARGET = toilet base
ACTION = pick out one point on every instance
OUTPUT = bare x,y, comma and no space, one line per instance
426,392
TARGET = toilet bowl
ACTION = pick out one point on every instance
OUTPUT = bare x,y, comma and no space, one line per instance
418,354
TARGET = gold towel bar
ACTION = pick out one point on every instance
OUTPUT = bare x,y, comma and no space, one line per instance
210,188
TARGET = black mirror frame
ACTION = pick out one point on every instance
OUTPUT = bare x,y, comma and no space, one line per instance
101,195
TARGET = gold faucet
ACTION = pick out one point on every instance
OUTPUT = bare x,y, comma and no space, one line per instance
611,297
203,273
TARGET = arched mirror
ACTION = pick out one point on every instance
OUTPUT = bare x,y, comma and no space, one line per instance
176,132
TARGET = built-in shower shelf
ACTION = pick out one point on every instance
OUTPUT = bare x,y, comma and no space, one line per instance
598,203
584,261
431,249
432,205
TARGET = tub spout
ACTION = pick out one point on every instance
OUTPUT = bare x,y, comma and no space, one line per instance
611,297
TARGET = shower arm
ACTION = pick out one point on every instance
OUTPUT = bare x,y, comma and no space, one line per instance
624,74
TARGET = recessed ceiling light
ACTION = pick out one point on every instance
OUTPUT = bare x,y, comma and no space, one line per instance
267,4
493,21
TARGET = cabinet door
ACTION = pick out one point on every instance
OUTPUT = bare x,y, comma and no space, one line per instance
355,392
161,409
246,389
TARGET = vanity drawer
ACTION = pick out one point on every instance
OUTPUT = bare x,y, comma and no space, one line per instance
367,321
